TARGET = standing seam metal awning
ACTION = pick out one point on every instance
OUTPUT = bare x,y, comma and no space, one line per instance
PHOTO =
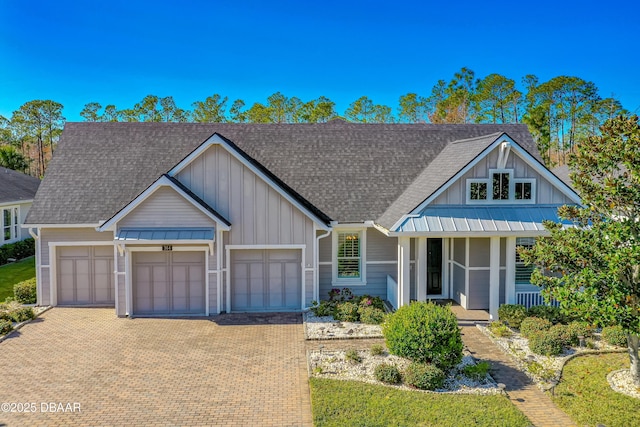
164,234
490,219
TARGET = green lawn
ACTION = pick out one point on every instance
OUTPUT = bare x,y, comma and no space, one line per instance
351,403
585,395
10,274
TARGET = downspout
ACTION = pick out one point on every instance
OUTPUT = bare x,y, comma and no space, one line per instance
316,291
36,238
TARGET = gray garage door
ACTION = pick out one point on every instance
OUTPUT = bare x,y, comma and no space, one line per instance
85,275
265,280
168,283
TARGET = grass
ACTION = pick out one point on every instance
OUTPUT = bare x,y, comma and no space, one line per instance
584,393
16,272
351,403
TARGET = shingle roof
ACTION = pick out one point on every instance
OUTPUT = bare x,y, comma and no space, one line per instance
350,172
453,157
16,186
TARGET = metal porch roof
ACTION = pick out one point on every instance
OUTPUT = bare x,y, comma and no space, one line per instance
165,234
478,219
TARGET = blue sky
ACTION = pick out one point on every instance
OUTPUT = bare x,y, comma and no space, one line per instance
116,52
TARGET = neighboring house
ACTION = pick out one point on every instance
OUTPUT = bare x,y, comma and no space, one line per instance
17,191
198,219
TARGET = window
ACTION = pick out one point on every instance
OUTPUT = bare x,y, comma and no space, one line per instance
501,185
523,271
478,191
349,255
10,217
523,190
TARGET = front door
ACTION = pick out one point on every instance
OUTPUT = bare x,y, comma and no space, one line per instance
434,266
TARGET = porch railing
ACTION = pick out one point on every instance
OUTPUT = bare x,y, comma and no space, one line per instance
529,299
392,292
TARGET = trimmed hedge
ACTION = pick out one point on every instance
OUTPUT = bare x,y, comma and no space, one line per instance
17,250
387,373
25,292
533,325
424,376
513,314
5,327
549,312
614,335
549,343
424,332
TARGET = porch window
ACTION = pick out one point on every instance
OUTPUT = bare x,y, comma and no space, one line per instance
523,271
10,218
349,255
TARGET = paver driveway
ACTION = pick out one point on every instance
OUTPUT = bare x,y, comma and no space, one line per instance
230,370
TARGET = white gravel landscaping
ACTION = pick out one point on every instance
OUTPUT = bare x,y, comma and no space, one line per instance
545,371
333,364
621,382
327,328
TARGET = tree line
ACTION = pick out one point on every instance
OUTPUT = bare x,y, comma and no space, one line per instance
559,113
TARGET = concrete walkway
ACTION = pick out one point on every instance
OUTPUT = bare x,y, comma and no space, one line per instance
524,394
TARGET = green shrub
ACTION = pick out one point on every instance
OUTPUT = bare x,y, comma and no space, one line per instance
499,329
478,371
369,301
17,250
424,376
377,350
549,343
323,308
576,329
424,332
353,356
549,312
5,327
25,291
614,335
371,315
512,314
347,312
22,314
387,373
532,325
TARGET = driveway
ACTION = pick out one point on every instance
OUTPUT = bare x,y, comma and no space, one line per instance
231,370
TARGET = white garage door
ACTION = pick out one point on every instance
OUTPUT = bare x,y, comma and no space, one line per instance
85,275
266,280
168,283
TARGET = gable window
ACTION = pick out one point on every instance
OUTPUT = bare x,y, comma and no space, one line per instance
349,257
9,219
501,185
478,191
523,271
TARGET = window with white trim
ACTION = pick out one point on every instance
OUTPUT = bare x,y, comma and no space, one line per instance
349,257
501,187
523,271
10,218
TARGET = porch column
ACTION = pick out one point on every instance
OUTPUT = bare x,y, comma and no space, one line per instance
421,268
494,278
510,276
404,290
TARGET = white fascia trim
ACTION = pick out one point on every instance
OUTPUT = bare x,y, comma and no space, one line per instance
439,234
178,243
217,140
29,225
83,243
163,181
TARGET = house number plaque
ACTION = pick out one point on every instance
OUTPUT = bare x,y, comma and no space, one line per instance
167,247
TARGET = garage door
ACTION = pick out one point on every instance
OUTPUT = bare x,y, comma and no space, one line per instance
168,283
265,280
85,275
